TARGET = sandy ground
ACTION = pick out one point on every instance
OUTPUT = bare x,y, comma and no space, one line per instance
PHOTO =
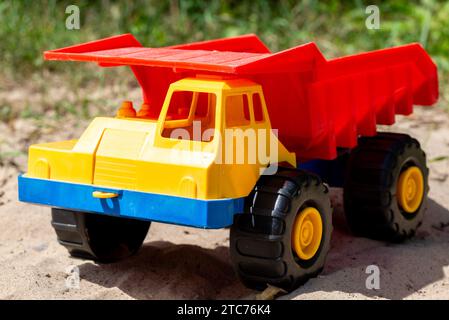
177,262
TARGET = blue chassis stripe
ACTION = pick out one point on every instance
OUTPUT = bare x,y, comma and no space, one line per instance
131,204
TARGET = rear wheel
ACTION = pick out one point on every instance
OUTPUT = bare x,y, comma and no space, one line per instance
98,237
283,236
385,193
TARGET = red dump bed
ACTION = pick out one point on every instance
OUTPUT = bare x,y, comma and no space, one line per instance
316,104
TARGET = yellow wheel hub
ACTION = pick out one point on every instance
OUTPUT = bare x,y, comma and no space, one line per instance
410,189
307,233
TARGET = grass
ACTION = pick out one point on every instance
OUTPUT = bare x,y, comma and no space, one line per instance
30,27
38,98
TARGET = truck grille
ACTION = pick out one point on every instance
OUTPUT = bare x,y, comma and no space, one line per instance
112,173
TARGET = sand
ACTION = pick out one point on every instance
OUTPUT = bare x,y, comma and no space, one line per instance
178,262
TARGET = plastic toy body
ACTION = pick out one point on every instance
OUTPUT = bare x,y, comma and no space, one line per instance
133,161
160,163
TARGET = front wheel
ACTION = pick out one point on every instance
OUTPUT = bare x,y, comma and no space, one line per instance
283,236
98,237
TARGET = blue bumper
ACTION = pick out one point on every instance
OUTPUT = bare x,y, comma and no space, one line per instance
131,204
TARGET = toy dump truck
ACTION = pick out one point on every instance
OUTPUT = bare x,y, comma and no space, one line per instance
229,134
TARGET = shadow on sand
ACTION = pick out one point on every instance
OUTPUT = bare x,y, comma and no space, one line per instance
162,270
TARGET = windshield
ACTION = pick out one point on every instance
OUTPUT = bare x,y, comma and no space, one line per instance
190,116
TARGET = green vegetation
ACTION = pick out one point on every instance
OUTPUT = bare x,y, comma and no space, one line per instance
29,27
36,95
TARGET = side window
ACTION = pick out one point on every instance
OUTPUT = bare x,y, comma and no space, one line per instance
257,105
237,111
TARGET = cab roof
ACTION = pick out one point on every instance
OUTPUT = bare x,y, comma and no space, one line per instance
207,83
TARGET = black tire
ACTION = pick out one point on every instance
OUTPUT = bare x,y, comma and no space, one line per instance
374,166
260,239
98,237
